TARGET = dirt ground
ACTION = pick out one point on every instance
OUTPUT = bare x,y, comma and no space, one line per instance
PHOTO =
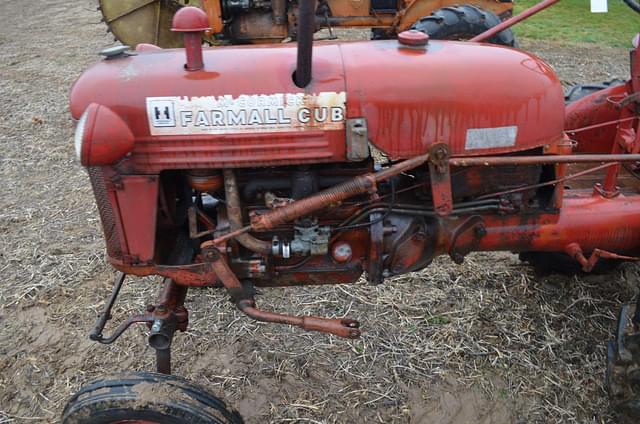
484,342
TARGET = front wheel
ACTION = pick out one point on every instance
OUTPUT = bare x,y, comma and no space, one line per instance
462,23
147,398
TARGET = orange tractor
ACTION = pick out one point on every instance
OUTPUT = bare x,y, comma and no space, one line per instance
266,21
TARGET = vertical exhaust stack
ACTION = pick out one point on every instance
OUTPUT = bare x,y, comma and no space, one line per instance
306,28
192,22
279,11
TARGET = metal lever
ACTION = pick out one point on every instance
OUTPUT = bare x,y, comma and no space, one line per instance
341,327
244,301
96,332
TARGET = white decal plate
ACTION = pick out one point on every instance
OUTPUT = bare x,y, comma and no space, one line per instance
599,6
278,112
489,138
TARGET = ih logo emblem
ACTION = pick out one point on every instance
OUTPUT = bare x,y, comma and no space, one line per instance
163,113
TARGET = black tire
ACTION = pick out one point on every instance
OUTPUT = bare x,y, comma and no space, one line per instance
547,263
578,91
146,396
633,4
462,23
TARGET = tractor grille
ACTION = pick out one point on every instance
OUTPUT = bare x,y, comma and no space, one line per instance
111,235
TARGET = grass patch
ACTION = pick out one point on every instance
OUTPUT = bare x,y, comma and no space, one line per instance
572,21
438,320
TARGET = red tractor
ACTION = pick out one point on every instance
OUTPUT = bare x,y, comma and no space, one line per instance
325,165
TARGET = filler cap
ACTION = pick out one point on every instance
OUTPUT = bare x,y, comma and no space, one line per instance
190,19
413,38
116,51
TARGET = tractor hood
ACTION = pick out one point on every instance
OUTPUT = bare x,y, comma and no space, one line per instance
243,108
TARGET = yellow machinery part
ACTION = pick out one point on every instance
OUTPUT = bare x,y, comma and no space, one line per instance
144,21
149,21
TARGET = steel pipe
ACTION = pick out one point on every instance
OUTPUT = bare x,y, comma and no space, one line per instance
234,214
542,159
306,28
358,185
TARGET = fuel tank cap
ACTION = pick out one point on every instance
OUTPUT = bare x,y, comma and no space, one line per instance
116,51
413,38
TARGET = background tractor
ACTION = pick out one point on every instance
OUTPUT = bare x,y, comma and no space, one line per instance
267,21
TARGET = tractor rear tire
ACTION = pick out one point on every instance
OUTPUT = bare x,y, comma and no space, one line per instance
462,23
146,397
578,91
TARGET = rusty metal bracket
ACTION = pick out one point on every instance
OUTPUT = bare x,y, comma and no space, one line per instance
440,179
96,333
598,188
194,214
357,139
169,316
575,251
374,264
474,225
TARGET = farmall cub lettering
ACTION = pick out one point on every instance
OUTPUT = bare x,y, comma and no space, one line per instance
363,158
246,113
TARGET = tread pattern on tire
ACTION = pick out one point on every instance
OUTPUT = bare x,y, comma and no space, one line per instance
578,91
118,393
463,22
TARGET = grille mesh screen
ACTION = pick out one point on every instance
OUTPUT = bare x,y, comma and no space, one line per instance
106,212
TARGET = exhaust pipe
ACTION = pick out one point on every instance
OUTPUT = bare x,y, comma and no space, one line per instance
162,332
279,11
306,28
